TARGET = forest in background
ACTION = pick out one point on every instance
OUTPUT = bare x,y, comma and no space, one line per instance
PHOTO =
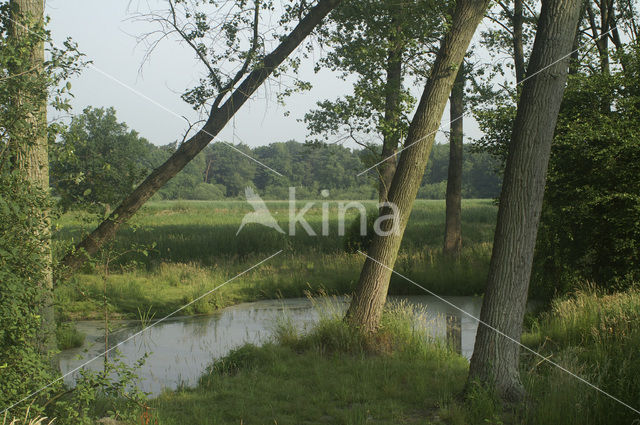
99,159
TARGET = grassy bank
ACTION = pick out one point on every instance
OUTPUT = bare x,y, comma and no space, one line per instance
186,248
330,375
334,375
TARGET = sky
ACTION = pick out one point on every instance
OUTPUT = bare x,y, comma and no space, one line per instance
146,94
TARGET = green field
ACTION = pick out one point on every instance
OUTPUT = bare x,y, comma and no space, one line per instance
186,248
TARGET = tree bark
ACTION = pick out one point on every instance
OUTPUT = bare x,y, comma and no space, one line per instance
453,220
518,43
574,64
370,295
218,118
30,150
495,358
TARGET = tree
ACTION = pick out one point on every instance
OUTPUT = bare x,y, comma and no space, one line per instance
589,229
235,174
368,300
453,212
99,159
382,42
28,141
494,102
237,89
495,358
26,80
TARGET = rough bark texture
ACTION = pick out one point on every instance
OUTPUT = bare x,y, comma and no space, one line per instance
518,43
370,295
188,150
495,358
31,150
453,220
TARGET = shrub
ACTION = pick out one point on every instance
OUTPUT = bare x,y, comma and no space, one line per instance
589,227
23,368
353,239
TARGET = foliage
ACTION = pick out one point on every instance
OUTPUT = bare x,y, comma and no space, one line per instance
67,336
382,44
21,245
229,169
590,228
354,240
111,392
480,178
103,166
27,419
98,160
23,217
228,39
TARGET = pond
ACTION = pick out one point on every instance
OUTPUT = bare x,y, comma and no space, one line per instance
181,348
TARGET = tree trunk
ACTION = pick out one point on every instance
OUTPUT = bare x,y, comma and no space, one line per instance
601,40
518,43
218,118
453,220
574,64
495,358
370,295
391,128
30,150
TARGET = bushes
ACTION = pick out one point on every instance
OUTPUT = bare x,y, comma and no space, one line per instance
590,229
23,368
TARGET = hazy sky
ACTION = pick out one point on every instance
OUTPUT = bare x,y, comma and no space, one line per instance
107,36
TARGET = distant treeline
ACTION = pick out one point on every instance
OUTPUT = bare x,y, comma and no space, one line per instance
220,172
100,160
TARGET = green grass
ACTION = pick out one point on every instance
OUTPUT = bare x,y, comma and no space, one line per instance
333,374
205,231
67,336
196,249
597,337
330,375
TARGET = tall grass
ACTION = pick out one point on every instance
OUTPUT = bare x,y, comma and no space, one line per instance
196,249
592,335
596,336
205,231
26,420
327,374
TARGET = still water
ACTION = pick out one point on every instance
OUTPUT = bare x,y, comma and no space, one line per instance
180,349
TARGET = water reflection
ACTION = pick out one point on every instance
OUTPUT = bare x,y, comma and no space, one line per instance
181,348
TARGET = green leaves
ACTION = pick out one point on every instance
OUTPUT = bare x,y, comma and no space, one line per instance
362,38
590,228
98,159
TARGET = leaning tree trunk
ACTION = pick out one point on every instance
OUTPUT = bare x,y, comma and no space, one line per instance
370,295
218,118
453,213
496,358
29,142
